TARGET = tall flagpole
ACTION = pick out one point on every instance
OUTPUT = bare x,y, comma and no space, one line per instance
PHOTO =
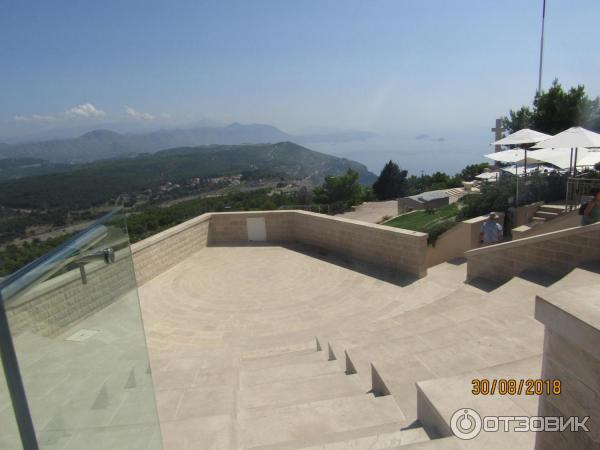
539,89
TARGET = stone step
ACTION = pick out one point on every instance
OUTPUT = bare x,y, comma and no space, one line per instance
381,441
295,391
548,215
538,219
439,399
559,209
580,276
309,424
298,370
281,359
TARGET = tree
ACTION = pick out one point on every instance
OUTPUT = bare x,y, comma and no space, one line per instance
556,110
471,171
344,189
391,183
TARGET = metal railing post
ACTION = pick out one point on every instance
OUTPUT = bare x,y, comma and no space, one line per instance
15,383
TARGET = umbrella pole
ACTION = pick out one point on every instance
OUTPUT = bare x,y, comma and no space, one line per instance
517,176
571,163
575,162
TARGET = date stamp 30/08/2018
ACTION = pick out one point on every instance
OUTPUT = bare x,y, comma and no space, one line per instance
512,386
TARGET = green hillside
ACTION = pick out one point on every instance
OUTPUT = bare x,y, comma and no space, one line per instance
97,183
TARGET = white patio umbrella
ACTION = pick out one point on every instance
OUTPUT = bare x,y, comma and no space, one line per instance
530,169
488,176
574,138
590,159
559,157
513,155
524,136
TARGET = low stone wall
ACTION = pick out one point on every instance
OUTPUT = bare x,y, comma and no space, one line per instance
391,248
571,355
552,253
231,228
387,247
562,222
463,237
58,303
162,251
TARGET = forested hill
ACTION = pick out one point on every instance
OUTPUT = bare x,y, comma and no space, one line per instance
94,184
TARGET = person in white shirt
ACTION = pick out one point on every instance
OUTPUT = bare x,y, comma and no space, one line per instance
491,231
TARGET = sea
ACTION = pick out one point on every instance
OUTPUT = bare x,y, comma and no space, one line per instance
417,154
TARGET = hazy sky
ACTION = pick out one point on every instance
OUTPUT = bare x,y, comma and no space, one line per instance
389,66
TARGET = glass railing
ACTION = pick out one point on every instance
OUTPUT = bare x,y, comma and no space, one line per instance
76,371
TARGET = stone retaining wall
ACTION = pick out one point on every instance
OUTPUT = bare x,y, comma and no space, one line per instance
553,253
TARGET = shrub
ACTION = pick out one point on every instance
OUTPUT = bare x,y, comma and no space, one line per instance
437,229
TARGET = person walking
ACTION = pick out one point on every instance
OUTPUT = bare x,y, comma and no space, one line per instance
491,231
591,213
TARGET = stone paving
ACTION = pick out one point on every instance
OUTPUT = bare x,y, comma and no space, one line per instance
231,335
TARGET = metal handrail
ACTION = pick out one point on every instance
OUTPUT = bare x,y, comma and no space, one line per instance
51,263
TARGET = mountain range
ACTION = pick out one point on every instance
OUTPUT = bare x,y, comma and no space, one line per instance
105,144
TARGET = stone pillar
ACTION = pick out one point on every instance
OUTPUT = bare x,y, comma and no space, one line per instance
571,355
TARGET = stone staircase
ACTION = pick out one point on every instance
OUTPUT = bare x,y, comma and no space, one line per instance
546,213
304,399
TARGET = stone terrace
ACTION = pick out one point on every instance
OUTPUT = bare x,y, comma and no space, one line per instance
286,344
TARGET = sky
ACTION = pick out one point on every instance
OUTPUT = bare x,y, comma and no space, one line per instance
400,68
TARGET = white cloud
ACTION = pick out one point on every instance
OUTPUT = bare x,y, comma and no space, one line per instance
35,118
85,110
138,115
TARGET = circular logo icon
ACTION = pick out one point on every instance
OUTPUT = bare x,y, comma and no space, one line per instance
465,423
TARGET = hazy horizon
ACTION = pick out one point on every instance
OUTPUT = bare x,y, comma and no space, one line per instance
398,69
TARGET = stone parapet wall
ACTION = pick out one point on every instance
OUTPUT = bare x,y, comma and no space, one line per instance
231,229
162,251
571,355
553,253
60,302
387,247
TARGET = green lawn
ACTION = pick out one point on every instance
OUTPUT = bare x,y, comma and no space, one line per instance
422,221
